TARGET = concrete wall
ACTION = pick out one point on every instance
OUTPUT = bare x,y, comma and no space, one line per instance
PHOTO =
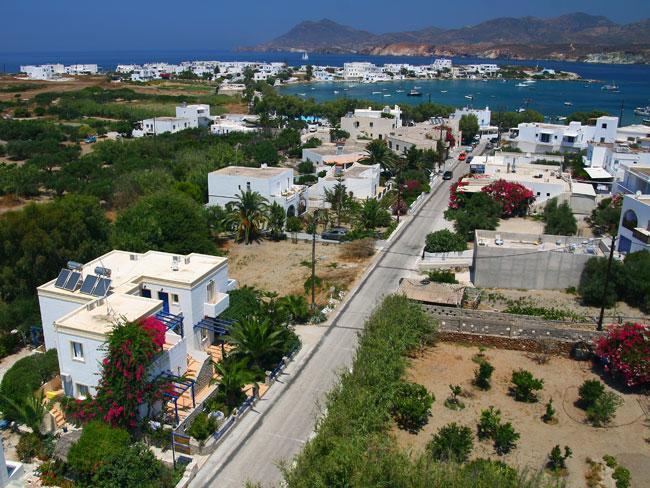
527,268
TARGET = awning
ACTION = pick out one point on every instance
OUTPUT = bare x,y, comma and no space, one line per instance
583,189
598,174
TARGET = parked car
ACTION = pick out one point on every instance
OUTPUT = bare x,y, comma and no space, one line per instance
469,159
335,233
447,175
462,156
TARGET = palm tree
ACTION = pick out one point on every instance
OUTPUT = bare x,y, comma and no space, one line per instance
295,307
248,213
29,412
255,340
372,214
378,152
276,219
339,199
233,376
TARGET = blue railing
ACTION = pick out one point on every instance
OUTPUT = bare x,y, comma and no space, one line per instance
171,321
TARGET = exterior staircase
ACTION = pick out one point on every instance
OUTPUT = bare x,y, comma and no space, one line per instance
57,414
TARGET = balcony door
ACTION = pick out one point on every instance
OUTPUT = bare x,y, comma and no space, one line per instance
211,292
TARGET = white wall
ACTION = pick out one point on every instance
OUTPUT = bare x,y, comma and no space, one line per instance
224,188
85,372
51,310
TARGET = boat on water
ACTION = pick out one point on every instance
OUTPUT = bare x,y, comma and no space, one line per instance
417,87
336,92
443,91
612,88
521,109
376,93
568,104
646,121
387,95
469,97
414,93
642,111
523,85
399,91
561,119
305,56
302,94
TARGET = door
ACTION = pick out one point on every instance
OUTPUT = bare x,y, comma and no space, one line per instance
146,293
165,299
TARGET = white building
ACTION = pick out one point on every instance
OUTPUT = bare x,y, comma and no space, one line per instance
633,133
442,64
274,184
227,123
199,111
373,124
82,305
634,226
362,181
42,72
546,181
484,116
635,180
359,70
81,69
615,158
536,137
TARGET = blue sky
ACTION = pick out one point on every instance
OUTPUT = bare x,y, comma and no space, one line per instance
112,25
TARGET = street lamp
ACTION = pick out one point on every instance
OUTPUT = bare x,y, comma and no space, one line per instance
607,276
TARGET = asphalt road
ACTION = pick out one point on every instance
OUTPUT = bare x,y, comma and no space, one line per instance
284,419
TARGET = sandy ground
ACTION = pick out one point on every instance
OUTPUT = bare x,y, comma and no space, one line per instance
452,364
519,224
495,299
276,266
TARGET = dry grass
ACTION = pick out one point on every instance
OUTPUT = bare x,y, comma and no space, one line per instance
449,363
360,249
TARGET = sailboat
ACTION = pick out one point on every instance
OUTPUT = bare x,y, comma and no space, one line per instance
305,56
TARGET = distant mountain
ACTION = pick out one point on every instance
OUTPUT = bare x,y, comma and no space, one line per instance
574,36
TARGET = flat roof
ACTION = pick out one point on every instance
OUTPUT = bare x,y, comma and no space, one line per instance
99,317
537,242
252,172
129,269
598,173
583,189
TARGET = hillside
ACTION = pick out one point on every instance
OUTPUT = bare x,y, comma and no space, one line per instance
575,36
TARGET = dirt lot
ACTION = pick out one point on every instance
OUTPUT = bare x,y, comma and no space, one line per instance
531,225
276,266
496,299
452,364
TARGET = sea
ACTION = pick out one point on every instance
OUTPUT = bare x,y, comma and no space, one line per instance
552,98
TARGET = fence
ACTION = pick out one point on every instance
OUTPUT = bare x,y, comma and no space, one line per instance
510,325
435,259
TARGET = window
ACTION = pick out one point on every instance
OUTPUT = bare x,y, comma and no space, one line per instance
204,335
211,291
82,391
372,124
630,220
77,351
602,139
538,193
248,186
604,126
545,137
174,298
548,194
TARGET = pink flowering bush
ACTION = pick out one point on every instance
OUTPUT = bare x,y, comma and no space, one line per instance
513,197
626,349
124,385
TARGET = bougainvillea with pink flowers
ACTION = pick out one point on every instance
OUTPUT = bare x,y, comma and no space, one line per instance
626,351
513,197
125,384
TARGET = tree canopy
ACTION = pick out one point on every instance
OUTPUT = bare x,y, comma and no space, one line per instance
559,219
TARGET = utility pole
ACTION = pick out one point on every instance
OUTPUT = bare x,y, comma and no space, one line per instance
313,262
609,269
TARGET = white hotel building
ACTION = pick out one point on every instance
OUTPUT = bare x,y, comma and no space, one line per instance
81,306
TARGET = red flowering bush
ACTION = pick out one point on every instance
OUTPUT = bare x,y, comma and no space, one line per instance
626,350
513,197
457,198
125,385
450,138
413,186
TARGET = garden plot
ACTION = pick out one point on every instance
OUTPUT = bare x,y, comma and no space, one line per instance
447,363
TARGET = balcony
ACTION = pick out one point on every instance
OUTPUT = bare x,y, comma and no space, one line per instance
641,234
216,306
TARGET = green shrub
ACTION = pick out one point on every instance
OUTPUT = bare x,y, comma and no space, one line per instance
482,375
442,276
453,402
203,427
445,241
135,466
604,409
556,460
589,392
505,438
97,443
489,423
294,224
622,477
29,446
305,167
610,461
411,406
24,378
549,413
592,282
525,386
453,442
559,219
307,179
